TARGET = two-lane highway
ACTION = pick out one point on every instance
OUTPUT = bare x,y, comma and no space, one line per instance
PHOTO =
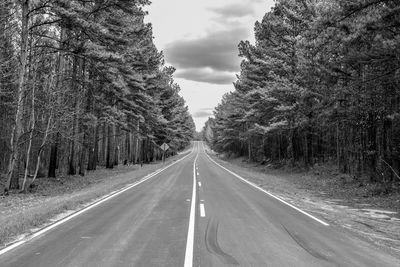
143,226
196,213
245,226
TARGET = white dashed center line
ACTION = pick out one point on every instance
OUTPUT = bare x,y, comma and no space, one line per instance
200,184
202,210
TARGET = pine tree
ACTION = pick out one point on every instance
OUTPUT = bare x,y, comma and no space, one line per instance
319,84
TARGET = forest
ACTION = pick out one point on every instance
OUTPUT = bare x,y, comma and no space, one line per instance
82,85
321,84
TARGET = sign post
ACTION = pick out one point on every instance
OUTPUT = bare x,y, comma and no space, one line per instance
164,148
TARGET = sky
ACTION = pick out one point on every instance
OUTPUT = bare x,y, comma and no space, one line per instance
199,38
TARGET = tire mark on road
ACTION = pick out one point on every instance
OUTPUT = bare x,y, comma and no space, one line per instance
211,240
304,245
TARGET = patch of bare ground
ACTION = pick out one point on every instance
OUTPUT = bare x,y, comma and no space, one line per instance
365,209
55,198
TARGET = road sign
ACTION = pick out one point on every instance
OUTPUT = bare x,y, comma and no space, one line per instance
164,147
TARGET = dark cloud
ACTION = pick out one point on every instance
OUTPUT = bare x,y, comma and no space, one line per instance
233,10
206,75
202,114
216,52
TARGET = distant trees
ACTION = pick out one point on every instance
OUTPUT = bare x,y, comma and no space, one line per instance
320,84
81,85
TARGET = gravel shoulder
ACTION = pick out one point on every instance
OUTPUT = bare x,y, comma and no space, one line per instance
361,209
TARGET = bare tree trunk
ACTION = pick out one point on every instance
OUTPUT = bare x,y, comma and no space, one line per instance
96,147
60,69
93,148
83,130
337,145
116,146
53,157
82,158
75,128
290,145
137,144
103,145
91,143
249,149
42,147
12,177
133,148
28,152
110,147
127,154
305,148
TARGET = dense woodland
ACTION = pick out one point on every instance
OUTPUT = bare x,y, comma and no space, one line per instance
82,85
321,84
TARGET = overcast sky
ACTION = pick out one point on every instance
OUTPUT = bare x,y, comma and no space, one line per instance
199,38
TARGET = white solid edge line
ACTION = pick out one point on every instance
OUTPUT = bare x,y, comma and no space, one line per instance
77,213
190,235
268,193
202,210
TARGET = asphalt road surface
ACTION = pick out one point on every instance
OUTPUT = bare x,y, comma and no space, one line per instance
196,213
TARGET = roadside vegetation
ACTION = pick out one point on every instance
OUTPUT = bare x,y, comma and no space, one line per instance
82,85
320,87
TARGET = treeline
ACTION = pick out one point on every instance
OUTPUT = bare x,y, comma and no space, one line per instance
320,84
82,84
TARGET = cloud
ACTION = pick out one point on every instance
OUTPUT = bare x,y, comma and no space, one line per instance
212,58
233,10
207,109
206,75
216,50
202,113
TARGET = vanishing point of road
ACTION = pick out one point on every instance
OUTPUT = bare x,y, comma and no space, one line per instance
195,212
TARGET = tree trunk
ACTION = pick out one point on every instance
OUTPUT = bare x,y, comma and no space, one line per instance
91,143
104,145
53,157
83,151
13,175
59,73
127,147
96,147
116,146
28,152
44,140
137,148
249,149
82,158
93,149
110,147
75,127
290,145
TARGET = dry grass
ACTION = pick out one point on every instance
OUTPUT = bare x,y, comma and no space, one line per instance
325,181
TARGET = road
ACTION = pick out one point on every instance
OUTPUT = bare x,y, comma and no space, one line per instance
195,213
